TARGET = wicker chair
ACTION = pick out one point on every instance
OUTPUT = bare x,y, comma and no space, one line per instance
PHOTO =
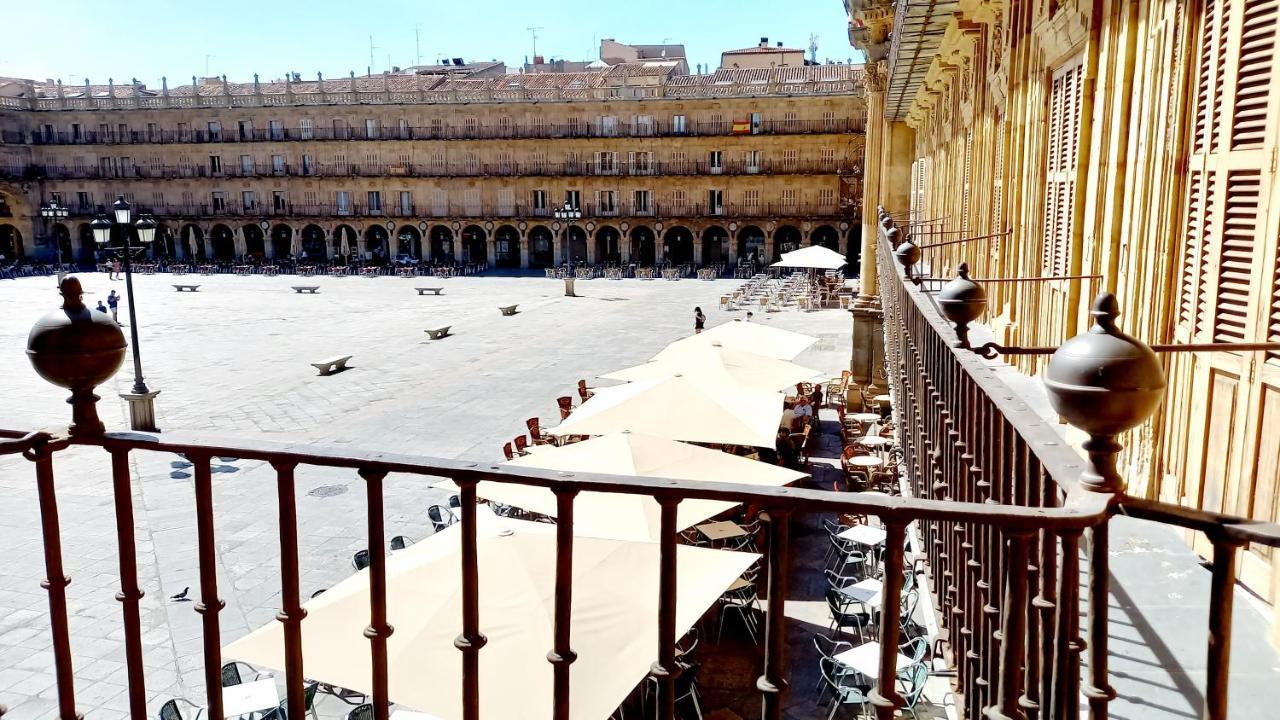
566,406
521,445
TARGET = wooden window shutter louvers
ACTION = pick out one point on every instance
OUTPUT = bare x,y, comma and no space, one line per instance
1253,74
1239,230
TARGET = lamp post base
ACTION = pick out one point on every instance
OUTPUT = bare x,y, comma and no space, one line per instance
568,287
142,410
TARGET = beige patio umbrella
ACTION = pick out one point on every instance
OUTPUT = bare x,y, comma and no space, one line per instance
814,256
680,408
715,362
615,615
632,517
749,336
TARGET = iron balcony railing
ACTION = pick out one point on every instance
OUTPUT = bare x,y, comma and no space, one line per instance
444,131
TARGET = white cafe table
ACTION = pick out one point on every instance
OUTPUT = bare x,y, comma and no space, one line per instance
868,592
866,417
250,697
722,530
872,441
866,461
864,535
866,659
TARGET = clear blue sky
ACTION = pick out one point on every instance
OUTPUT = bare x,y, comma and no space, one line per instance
150,38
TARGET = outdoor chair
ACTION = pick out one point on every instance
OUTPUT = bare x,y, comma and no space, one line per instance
360,560
827,649
585,392
843,617
833,529
743,604
535,432
843,691
521,445
687,689
506,450
917,677
455,503
686,646
171,711
400,542
846,558
309,706
231,674
566,406
439,517
361,712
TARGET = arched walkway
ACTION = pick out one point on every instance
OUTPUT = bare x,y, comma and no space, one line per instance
475,249
576,251
677,245
541,247
223,242
506,247
313,243
62,241
442,244
608,245
254,242
345,245
164,246
409,243
751,245
642,246
10,243
375,244
715,245
785,239
282,241
826,236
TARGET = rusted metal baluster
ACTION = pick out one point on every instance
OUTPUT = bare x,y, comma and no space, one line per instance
665,669
562,655
773,683
1066,649
291,612
55,582
130,593
471,639
1221,597
1013,630
1099,690
378,630
209,604
1043,606
884,696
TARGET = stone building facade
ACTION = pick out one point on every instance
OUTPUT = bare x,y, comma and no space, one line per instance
687,168
1122,145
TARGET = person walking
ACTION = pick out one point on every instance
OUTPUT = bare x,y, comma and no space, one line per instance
115,270
699,320
113,301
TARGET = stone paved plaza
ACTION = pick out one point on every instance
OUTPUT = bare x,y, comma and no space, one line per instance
233,359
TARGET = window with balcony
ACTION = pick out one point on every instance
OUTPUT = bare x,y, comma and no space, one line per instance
306,130
574,198
538,162
106,168
183,131
571,163
123,133
715,161
403,128
642,125
342,199
715,202
574,126
104,132
308,164
505,164
246,164
126,167
471,126
77,162
790,160
471,201
751,199
218,200
607,202
828,157
641,202
717,123
827,198
77,132
372,163
751,161
406,203
275,129
244,129
608,125
606,163
829,120
789,198
471,164
539,202
439,202
157,200
155,166
373,201
311,199
437,127
641,163
437,163
506,201
247,200
371,130
679,124
505,126
48,132
153,132
340,164
339,129
277,164
214,128
679,200
215,164
188,199
789,122
84,201
279,201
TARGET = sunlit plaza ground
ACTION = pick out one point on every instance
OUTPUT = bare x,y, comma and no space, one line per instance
233,359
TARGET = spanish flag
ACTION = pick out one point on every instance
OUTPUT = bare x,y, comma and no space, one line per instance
741,127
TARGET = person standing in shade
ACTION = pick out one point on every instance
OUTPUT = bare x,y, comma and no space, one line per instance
699,320
113,301
115,270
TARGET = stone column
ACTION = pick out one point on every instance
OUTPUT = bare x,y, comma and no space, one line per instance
624,247
874,83
591,247
557,246
524,251
697,252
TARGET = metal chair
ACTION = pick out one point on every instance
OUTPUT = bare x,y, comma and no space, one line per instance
439,517
400,542
743,604
566,406
171,711
231,674
521,445
506,450
308,702
360,560
917,677
842,690
843,617
361,712
827,649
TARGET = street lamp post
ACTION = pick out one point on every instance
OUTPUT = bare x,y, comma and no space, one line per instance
567,214
52,211
142,414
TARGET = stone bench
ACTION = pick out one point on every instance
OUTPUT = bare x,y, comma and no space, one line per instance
186,288
437,333
508,309
425,290
305,288
332,365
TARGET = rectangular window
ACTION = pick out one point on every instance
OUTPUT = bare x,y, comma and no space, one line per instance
343,201
246,200
219,200
471,201
84,201
339,129
277,164
679,125
607,202
752,161
608,125
406,202
790,160
215,164
278,201
789,198
757,125
789,122
215,130
642,125
606,163
641,163
276,129
506,201
48,132
715,202
308,164
371,129
751,198
827,198
306,130
77,132
374,201
539,201
126,167
245,129
715,161
641,204
246,164
439,202
828,158
574,198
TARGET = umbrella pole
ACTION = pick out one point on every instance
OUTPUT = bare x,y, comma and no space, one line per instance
666,670
773,683
562,656
471,639
378,630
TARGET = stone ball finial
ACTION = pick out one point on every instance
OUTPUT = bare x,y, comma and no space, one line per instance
908,255
1104,382
77,348
962,301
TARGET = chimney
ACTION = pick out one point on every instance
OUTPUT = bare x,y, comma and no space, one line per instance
764,42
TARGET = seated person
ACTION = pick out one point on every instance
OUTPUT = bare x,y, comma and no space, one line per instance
803,412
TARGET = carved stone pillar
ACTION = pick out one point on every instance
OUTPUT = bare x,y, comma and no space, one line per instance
874,78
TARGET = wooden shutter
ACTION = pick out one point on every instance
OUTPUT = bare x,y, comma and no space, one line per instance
1191,248
997,185
1235,266
1254,74
968,170
1063,149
